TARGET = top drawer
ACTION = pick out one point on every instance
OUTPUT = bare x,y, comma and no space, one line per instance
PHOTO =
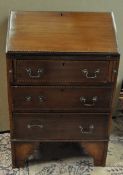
60,72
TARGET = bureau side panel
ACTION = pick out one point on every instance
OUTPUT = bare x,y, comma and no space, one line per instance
9,63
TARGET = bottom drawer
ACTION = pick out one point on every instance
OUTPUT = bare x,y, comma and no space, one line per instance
60,126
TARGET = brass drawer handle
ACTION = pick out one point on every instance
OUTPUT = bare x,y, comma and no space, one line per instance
41,98
86,73
86,130
28,98
39,72
34,125
83,101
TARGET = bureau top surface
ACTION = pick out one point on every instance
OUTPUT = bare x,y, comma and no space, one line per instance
61,32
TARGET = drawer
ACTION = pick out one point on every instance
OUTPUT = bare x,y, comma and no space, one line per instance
61,126
57,72
61,98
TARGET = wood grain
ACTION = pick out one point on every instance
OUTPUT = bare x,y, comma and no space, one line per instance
53,32
61,98
98,150
60,72
60,126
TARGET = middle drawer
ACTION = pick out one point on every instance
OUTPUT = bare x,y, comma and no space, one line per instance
61,98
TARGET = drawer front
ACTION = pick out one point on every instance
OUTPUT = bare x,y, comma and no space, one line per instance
60,126
57,72
61,98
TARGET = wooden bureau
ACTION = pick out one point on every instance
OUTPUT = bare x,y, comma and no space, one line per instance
62,69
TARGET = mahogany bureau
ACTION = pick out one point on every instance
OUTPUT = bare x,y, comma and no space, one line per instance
62,69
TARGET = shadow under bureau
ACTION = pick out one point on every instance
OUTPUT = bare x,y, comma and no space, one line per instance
62,70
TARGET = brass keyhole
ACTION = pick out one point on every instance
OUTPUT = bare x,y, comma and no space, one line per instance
62,64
